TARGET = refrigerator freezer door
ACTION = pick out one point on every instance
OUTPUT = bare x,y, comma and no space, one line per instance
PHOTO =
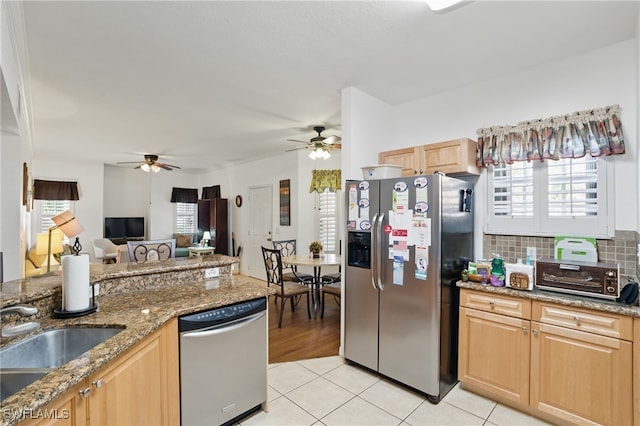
361,297
410,312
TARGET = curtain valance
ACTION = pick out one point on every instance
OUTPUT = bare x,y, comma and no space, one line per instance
596,132
322,180
210,192
55,190
184,195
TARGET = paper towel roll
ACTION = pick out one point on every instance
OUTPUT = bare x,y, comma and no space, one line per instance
75,282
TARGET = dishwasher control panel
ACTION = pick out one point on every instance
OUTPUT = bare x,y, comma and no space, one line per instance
221,315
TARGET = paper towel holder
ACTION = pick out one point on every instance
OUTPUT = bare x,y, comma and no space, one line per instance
93,307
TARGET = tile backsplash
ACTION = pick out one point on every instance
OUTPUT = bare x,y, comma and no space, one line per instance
622,249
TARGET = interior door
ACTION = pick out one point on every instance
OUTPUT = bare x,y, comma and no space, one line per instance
260,222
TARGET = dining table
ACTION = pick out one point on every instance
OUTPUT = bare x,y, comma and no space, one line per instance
316,263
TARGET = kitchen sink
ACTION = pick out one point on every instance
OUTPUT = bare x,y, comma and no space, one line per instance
26,361
13,380
53,348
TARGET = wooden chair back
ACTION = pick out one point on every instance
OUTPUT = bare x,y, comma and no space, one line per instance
142,251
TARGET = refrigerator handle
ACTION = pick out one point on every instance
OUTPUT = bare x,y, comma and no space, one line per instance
374,238
378,251
465,200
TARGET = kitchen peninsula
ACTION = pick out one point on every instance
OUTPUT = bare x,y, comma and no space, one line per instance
145,300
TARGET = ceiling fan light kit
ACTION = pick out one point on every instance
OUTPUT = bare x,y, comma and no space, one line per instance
151,164
319,145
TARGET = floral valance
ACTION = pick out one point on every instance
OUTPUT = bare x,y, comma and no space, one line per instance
322,180
596,132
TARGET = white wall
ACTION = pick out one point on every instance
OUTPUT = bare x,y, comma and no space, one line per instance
88,209
11,209
599,78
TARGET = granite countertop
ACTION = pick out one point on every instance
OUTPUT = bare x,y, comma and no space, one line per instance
559,298
139,313
29,289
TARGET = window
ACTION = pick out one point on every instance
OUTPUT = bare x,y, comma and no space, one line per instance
185,218
49,209
570,196
328,220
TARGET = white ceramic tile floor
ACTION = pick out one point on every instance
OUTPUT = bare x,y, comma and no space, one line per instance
327,391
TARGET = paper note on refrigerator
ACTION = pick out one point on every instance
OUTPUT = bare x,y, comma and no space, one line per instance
398,270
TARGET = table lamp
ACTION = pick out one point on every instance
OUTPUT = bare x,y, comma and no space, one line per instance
70,227
48,244
206,237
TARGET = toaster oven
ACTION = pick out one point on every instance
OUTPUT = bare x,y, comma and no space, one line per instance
593,279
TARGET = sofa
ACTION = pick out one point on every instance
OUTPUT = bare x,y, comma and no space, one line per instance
183,242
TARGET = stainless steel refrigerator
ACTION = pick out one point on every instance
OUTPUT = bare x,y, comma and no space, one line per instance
408,240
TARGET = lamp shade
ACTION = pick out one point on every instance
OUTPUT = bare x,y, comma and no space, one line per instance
42,242
68,224
206,236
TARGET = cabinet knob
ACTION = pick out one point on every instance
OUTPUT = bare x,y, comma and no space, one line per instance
492,304
534,331
577,320
524,329
85,392
98,383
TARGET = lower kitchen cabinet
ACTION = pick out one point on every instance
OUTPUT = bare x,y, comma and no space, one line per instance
140,387
494,353
558,362
69,409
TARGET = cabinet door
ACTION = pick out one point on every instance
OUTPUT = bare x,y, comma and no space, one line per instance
494,353
130,391
455,156
69,409
404,157
581,377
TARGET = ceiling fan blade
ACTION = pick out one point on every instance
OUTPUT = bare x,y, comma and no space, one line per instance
296,140
332,139
168,165
138,166
128,162
295,149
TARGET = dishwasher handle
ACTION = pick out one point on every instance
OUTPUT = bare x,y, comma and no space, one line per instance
224,328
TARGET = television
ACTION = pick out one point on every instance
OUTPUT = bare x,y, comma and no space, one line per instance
124,227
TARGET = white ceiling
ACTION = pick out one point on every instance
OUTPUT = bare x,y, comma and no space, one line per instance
206,84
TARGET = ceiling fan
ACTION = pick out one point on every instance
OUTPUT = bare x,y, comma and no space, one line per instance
151,164
319,145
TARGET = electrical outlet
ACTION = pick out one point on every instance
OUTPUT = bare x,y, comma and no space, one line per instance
531,253
211,273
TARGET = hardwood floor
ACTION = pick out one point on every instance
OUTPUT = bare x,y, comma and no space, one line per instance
301,337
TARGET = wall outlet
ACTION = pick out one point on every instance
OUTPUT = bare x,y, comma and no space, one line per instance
211,273
531,254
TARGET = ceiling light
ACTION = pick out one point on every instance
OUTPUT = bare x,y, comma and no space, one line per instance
145,168
319,153
437,5
155,168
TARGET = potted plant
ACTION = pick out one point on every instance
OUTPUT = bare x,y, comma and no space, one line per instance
315,248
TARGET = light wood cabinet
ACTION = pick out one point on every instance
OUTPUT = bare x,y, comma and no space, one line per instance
569,364
69,409
139,387
454,157
494,353
578,349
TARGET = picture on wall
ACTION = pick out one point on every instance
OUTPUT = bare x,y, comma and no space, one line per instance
285,202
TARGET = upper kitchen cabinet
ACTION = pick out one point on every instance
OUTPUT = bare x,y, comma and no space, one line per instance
454,157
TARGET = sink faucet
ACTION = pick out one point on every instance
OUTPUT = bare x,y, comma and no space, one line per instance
22,310
18,329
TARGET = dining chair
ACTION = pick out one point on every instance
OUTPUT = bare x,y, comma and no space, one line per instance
140,251
333,288
285,289
288,248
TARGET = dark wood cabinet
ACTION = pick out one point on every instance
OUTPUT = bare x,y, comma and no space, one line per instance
213,215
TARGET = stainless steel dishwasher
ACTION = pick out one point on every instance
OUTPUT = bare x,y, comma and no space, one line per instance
223,363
